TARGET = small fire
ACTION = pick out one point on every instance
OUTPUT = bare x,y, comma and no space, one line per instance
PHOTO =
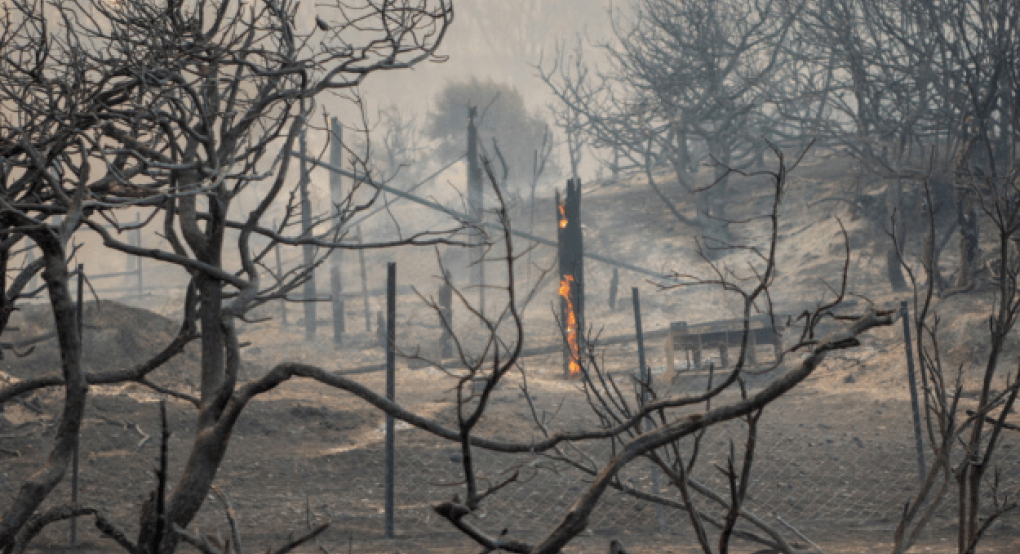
571,324
563,218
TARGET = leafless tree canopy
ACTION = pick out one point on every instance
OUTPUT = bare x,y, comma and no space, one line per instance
176,109
922,95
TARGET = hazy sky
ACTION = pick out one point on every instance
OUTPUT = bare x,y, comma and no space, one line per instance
494,39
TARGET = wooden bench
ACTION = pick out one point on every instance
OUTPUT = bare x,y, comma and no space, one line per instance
692,340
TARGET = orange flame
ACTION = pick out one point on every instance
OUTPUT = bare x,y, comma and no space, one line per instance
565,284
563,218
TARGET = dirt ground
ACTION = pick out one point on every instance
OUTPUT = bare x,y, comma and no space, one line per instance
835,460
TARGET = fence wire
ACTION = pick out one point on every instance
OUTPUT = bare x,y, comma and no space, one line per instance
814,470
838,482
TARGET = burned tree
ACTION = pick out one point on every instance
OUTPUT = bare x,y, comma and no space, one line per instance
570,261
686,80
644,425
48,120
985,173
916,92
875,67
952,424
176,108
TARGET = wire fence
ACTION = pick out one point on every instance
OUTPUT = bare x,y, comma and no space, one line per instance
838,482
822,462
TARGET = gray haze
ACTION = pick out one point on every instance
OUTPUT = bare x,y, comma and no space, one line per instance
497,40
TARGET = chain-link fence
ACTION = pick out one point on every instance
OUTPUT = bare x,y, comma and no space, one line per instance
830,476
826,459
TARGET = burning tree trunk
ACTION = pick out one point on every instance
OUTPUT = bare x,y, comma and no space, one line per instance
571,270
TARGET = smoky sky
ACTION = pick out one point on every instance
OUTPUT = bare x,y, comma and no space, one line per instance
497,40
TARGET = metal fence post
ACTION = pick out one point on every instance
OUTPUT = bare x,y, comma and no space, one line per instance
391,389
79,317
914,404
645,381
279,274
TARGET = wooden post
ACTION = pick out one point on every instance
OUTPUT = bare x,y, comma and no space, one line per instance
364,284
446,314
570,243
724,352
337,196
133,264
279,273
640,336
138,259
614,285
752,347
670,352
476,206
129,262
391,388
307,249
697,354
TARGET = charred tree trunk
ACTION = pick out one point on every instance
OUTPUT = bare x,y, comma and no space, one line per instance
897,214
967,220
35,490
966,215
571,272
939,217
336,194
893,270
712,203
220,364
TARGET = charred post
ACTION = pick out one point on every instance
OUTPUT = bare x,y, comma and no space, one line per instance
446,315
570,241
336,194
308,250
364,284
475,205
614,286
279,273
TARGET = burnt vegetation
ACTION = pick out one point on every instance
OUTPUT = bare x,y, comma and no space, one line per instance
190,118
